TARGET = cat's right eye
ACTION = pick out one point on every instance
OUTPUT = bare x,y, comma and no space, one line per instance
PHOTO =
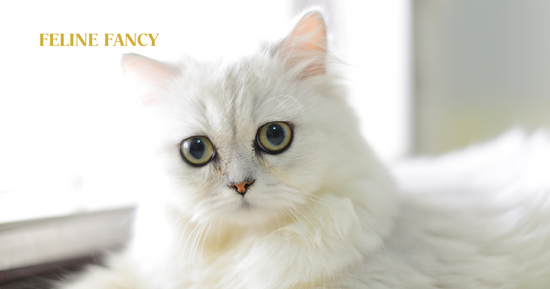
197,151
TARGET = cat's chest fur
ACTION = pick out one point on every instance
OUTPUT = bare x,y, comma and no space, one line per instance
289,253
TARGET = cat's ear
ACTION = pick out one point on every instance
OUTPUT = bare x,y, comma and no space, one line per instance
305,48
149,74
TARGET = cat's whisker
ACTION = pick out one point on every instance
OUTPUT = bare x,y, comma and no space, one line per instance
201,235
204,240
311,196
315,202
196,241
310,246
193,247
279,228
218,235
181,221
187,241
290,215
321,200
299,220
302,215
187,223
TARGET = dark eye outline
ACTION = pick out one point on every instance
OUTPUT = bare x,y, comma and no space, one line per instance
263,149
193,164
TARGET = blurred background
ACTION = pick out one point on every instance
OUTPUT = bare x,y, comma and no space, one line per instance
425,76
480,67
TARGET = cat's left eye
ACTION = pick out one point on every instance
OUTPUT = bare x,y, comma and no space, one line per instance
274,137
197,151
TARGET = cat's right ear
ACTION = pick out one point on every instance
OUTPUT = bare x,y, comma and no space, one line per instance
150,75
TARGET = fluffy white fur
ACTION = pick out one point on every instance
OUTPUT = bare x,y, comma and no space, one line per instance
325,213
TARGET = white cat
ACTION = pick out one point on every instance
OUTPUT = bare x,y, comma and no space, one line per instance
270,185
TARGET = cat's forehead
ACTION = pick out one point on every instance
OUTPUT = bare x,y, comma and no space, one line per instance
236,98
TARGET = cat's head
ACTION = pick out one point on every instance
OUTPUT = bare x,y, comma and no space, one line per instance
251,139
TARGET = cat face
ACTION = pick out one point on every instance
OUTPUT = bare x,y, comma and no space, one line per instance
248,140
233,112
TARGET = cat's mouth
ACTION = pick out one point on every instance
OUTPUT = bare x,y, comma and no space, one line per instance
245,204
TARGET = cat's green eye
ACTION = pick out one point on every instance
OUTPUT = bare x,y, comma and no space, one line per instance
274,137
197,151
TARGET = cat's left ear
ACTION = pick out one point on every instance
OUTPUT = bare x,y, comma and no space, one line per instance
305,48
150,75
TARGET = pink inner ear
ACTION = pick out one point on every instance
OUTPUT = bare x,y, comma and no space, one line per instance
307,44
313,32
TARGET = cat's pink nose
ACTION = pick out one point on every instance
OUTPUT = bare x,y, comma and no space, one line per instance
242,187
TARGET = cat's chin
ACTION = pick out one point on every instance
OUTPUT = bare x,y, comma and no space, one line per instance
250,215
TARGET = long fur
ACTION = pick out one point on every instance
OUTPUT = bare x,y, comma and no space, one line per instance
325,213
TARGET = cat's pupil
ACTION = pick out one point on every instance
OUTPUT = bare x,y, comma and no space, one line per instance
197,148
275,134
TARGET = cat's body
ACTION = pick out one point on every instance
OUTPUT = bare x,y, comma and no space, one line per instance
321,212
